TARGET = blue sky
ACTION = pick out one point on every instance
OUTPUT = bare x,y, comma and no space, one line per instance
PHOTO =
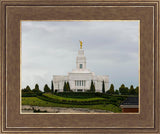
50,48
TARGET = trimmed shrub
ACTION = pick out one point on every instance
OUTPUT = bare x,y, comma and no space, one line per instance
92,101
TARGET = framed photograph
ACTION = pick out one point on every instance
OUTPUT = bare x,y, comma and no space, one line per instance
81,90
79,66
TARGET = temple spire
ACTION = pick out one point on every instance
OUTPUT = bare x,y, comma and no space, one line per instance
80,44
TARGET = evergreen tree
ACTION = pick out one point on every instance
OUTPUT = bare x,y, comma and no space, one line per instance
52,87
103,87
64,87
116,92
47,89
127,90
36,87
36,90
123,90
132,90
68,86
137,90
27,89
111,89
92,87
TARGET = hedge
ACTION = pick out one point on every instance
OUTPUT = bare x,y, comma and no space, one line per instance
81,95
74,101
29,95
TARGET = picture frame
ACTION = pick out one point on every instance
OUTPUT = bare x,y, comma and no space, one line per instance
13,11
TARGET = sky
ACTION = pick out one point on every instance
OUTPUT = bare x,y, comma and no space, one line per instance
50,48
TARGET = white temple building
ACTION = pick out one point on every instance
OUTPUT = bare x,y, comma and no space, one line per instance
80,78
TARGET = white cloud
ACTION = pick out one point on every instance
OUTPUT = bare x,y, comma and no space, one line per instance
49,48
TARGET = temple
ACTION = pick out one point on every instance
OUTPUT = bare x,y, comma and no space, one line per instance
80,78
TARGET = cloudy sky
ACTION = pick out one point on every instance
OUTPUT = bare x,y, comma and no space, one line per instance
50,48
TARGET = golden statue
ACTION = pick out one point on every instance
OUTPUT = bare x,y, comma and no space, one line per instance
80,44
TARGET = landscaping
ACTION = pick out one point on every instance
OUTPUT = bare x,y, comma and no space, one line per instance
34,101
109,101
105,102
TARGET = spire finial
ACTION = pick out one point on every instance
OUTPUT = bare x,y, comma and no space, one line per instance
80,44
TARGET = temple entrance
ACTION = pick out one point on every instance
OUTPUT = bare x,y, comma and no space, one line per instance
79,90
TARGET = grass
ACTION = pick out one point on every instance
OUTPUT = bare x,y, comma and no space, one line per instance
34,101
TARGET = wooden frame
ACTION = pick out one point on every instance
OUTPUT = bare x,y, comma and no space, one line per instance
13,11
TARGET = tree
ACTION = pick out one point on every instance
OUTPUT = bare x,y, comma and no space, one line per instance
108,92
27,89
92,87
36,87
127,90
68,86
123,90
52,87
137,90
111,89
116,92
27,92
103,87
132,90
47,89
64,87
36,90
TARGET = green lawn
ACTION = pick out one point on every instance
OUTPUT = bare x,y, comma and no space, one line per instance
34,101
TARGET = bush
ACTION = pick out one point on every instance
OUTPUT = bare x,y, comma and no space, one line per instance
61,100
81,95
47,89
28,94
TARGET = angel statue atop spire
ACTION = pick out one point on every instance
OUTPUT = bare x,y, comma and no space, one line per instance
80,44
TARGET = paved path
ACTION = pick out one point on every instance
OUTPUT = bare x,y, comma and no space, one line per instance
29,109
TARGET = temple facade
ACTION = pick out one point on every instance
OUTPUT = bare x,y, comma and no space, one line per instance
80,78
